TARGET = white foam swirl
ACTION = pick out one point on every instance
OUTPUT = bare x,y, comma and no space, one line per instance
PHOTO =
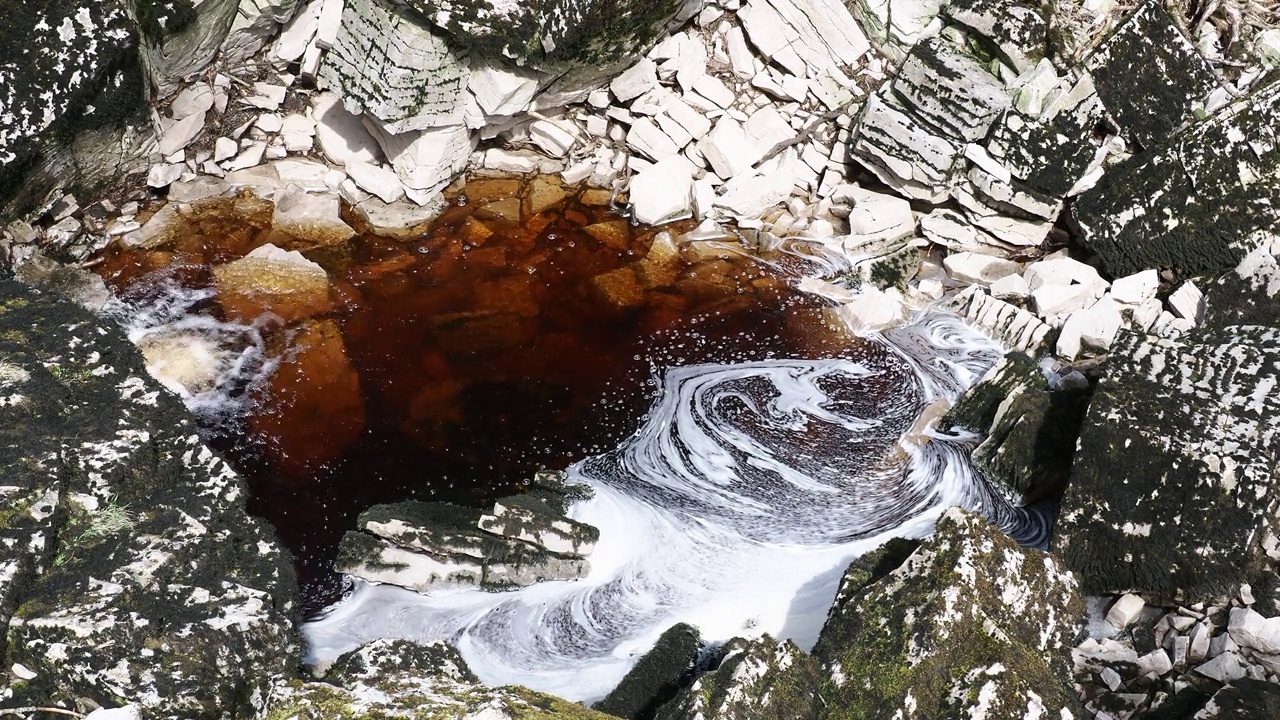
735,507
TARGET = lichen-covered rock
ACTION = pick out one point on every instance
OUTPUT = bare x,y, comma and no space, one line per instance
1016,327
145,580
1244,699
399,679
392,66
1017,29
656,676
552,34
969,625
1172,491
1247,295
1149,75
65,68
1030,430
761,678
1196,202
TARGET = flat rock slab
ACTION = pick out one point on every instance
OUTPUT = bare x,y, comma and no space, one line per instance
1149,75
1174,477
1195,202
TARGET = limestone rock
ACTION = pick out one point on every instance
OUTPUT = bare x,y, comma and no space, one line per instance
663,192
1015,326
313,218
997,621
978,269
342,135
426,160
1195,201
1196,403
397,678
389,65
755,679
255,22
141,541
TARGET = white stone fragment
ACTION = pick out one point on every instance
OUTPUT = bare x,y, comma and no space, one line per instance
269,95
1136,289
766,128
978,269
179,134
1011,288
298,33
663,192
728,149
249,157
712,89
329,23
1110,678
376,180
197,98
1225,668
127,712
304,214
1124,611
875,216
740,56
269,122
342,135
426,160
552,137
693,122
164,174
501,90
691,62
635,81
1093,328
1187,302
1063,271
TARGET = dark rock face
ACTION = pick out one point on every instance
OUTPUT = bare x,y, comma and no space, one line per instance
547,34
1149,75
964,624
655,678
1030,430
1244,699
1194,202
65,67
129,571
1173,488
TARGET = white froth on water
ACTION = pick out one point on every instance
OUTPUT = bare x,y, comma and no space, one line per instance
209,363
736,508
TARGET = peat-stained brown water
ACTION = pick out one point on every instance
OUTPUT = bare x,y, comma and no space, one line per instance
454,364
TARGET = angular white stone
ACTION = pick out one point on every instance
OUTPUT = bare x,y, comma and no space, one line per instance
693,122
426,160
740,56
164,174
728,148
1225,668
1095,327
819,33
328,23
978,269
298,33
1187,302
501,90
635,81
512,162
552,137
1136,289
748,196
1063,271
1011,288
249,157
875,216
712,89
647,138
873,310
343,136
269,96
180,133
376,180
691,62
197,98
303,214
1055,300
269,122
1156,662
1124,611
663,192
766,128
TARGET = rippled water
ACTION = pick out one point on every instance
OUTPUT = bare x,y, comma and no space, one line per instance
735,507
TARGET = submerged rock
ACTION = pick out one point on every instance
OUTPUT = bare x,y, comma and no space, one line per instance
129,566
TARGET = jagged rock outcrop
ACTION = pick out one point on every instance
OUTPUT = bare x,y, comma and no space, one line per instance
394,679
129,570
438,548
656,676
1173,488
961,624
1030,430
69,78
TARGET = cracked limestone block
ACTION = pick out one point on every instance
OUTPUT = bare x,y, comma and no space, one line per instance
255,22
903,152
1196,202
950,90
379,561
387,64
1051,152
1149,75
531,521
426,160
1018,328
817,35
895,26
399,678
1017,28
1172,487
967,621
154,587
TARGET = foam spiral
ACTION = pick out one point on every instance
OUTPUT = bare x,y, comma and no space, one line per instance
735,507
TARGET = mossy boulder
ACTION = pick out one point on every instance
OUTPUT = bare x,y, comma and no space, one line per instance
969,621
756,679
1030,431
656,676
144,580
